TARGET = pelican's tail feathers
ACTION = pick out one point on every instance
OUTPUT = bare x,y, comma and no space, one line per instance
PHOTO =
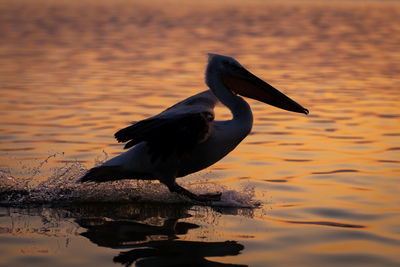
103,174
111,173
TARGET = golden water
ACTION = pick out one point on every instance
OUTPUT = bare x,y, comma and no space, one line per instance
74,72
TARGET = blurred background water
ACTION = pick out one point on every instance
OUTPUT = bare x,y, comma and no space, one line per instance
74,72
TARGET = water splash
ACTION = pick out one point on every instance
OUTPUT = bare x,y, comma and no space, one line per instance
61,188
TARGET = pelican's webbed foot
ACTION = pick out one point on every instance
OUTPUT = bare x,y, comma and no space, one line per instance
201,198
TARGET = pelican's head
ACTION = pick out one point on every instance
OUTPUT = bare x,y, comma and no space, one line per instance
240,81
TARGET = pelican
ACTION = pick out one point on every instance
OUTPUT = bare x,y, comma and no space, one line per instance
185,138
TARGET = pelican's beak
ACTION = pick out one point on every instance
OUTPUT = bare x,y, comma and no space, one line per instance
247,84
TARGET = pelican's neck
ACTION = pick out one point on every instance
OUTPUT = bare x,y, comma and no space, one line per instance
239,108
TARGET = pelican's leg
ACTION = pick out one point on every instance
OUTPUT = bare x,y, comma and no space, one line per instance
201,198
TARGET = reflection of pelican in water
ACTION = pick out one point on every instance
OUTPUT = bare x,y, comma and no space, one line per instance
185,138
122,233
151,233
180,253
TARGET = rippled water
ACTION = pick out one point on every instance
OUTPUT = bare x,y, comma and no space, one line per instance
320,190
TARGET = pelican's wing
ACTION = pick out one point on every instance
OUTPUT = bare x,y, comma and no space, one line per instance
177,129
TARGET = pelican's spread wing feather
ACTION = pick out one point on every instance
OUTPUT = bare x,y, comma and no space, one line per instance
177,129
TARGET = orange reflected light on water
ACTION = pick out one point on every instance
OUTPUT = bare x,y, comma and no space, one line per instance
70,78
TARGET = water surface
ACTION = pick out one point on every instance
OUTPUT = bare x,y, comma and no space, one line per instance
321,189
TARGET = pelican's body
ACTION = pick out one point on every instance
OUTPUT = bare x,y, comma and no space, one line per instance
223,137
185,138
